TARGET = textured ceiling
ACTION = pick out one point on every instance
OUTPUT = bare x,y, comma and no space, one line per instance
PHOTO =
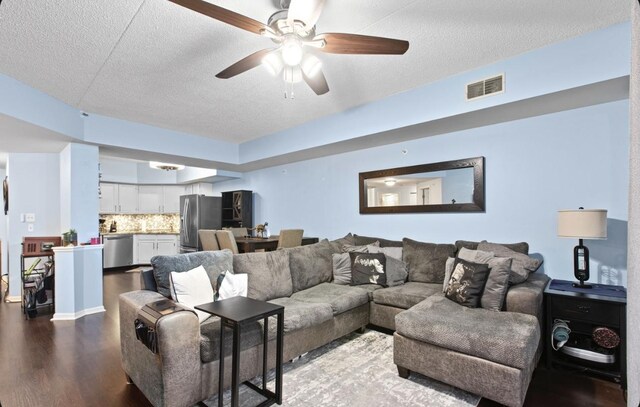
154,62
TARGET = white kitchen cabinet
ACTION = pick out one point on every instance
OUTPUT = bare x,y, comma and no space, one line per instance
166,245
159,198
108,198
171,198
146,246
146,249
199,188
118,198
150,198
127,198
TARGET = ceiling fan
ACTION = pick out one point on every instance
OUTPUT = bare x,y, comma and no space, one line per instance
293,29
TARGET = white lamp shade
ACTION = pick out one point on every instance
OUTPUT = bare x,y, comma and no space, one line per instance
583,223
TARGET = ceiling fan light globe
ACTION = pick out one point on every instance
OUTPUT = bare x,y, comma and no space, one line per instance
272,63
292,52
311,65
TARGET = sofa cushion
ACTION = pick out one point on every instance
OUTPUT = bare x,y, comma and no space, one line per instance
299,315
341,298
370,289
269,275
347,239
310,265
426,261
406,295
521,265
210,338
214,263
507,338
395,252
365,240
341,268
520,247
348,248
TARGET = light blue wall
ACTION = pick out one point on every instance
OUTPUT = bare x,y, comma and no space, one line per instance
79,202
137,136
591,58
32,106
533,168
34,187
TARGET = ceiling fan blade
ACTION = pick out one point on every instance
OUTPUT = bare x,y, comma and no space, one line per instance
307,11
318,83
224,15
340,43
244,64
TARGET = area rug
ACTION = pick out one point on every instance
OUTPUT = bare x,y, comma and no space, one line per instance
355,370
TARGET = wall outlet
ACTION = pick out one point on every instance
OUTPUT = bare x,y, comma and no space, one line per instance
30,227
30,217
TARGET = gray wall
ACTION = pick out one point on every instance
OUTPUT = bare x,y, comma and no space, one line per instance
633,308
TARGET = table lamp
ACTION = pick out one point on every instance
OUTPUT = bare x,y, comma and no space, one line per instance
582,224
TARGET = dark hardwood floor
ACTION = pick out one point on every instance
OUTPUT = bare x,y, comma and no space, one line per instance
77,363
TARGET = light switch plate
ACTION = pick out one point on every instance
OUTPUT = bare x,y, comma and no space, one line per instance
30,217
30,227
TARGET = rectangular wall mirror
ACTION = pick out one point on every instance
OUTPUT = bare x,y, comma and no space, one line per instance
449,186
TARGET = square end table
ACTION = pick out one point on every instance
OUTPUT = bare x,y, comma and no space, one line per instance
234,313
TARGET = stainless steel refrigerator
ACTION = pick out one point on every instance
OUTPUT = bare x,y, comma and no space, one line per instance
198,212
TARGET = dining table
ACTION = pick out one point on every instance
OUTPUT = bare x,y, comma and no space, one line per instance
251,244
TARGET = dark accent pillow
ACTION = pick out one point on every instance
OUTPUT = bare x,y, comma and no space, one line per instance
467,283
368,268
521,247
426,261
365,240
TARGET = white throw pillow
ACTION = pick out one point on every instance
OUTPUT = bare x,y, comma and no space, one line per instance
191,288
233,285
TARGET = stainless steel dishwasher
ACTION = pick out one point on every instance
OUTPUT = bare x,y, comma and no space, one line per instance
118,251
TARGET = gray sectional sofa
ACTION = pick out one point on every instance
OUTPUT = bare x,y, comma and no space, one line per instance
489,353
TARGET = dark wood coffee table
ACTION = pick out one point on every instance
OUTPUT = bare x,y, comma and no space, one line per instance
234,313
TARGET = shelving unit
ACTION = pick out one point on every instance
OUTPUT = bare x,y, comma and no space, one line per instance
584,312
38,278
237,209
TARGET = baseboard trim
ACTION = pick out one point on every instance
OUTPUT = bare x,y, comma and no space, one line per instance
12,298
70,316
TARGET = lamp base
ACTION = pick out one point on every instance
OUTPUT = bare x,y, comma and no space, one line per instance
582,285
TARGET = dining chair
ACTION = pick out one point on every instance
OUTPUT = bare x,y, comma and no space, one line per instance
239,232
290,238
208,239
226,240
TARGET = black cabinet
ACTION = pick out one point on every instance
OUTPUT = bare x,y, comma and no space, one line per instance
584,311
237,209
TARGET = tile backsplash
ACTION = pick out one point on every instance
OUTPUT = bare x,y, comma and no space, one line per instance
142,223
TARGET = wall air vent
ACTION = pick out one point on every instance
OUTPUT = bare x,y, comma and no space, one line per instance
485,87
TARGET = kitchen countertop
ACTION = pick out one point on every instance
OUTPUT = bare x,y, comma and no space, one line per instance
148,232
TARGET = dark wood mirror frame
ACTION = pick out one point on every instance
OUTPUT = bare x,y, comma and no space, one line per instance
478,204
